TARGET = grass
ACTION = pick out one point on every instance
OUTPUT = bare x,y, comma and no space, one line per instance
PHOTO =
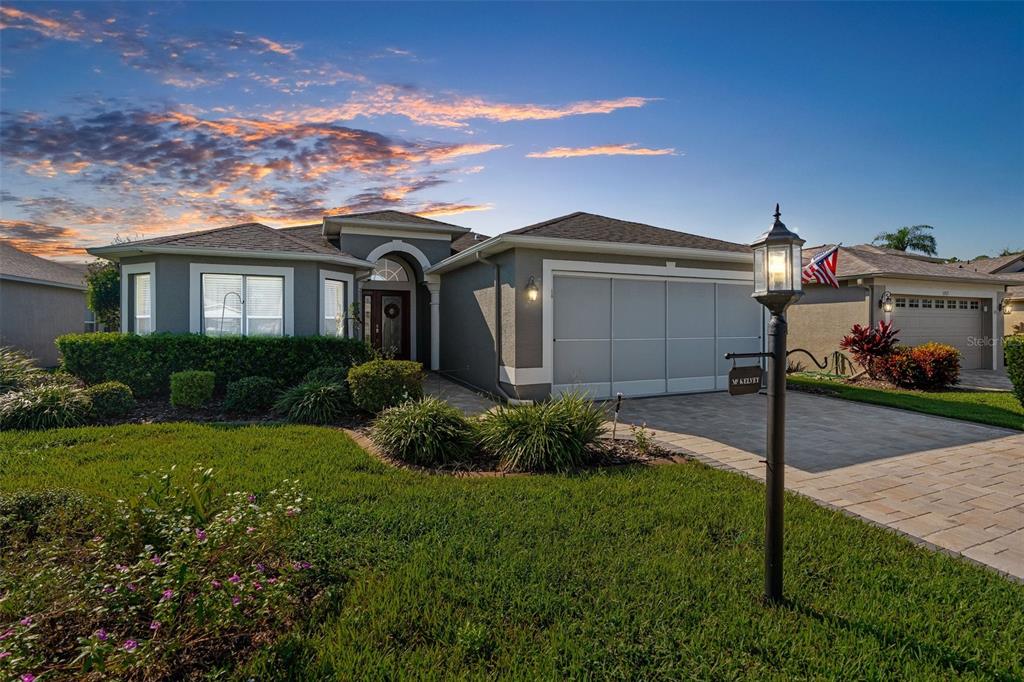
637,573
984,407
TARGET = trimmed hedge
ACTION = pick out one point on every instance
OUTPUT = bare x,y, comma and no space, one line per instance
251,395
191,388
110,400
1013,348
145,363
380,384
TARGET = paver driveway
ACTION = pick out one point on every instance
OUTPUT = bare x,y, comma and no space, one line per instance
954,484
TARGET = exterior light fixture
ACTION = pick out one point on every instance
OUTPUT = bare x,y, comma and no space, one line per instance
776,286
532,291
1007,306
886,303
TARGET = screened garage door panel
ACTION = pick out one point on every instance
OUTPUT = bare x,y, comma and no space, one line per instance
648,336
956,322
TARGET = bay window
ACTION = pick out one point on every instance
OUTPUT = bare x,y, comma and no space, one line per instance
242,305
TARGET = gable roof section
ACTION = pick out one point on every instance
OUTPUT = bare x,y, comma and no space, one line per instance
253,240
593,227
995,264
857,261
904,254
389,216
20,266
467,240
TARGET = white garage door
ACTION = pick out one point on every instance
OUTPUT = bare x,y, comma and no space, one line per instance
954,321
648,336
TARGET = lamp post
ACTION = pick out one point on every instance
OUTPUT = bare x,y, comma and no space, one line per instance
777,266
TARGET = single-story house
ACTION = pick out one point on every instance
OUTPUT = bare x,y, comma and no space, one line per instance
39,301
1010,267
579,301
931,300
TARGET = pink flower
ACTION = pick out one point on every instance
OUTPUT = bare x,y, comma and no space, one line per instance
256,585
200,534
235,601
98,538
251,498
272,581
291,511
216,584
132,587
120,568
5,635
249,530
27,677
167,594
301,565
155,625
27,620
235,579
157,561
4,654
130,645
108,589
101,635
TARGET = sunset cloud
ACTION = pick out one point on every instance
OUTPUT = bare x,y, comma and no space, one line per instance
40,239
601,150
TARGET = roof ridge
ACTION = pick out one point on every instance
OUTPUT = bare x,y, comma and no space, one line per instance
549,221
295,240
194,233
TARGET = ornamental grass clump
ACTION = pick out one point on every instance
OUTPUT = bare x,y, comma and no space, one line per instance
315,403
178,583
45,406
17,370
550,436
427,432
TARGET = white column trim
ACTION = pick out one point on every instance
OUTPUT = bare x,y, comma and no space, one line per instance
434,287
126,272
349,281
195,302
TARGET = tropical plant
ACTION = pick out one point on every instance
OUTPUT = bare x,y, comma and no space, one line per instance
191,388
315,403
427,432
912,238
251,395
110,400
17,370
928,366
869,344
380,384
103,293
548,436
44,406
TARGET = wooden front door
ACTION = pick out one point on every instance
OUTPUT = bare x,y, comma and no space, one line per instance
386,322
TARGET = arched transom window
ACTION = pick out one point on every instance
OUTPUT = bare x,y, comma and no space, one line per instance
388,270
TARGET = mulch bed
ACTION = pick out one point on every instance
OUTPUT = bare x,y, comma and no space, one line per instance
161,411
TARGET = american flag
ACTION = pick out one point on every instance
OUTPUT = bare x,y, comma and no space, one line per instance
822,268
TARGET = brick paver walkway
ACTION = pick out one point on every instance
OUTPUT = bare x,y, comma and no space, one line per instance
956,485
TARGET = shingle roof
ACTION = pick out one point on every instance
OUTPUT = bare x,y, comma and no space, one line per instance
858,261
309,233
17,263
391,217
992,265
590,226
244,237
467,240
904,254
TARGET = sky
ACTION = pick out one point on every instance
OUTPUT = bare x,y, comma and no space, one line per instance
121,121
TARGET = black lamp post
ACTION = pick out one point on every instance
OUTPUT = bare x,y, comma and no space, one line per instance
777,266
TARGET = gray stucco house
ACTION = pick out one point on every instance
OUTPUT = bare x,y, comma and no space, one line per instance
39,301
582,300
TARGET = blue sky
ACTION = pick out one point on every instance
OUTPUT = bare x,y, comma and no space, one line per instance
141,119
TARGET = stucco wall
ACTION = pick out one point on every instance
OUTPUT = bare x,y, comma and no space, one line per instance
171,284
33,315
468,321
822,317
1015,318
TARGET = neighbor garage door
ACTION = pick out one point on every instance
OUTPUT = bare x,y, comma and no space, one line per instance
954,321
648,336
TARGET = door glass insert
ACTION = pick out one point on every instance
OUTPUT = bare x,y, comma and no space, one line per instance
391,325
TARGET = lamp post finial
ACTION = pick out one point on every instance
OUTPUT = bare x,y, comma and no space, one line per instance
778,213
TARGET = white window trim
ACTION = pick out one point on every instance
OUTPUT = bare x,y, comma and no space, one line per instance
195,288
349,281
126,276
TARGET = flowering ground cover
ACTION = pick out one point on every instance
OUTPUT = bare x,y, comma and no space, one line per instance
635,572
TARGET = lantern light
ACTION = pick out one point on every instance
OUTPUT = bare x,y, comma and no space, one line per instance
886,302
777,265
532,291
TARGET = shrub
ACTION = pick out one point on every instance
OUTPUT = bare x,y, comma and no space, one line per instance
180,597
869,345
146,363
26,515
192,388
928,366
1013,349
44,406
17,370
103,295
251,395
380,384
315,403
550,436
110,400
427,432
328,375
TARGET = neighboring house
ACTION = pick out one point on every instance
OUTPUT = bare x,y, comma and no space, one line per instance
1011,267
39,301
932,301
581,300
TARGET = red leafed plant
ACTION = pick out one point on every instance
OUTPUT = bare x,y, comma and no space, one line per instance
869,345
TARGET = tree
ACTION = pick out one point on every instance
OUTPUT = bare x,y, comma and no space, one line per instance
909,239
104,293
1010,252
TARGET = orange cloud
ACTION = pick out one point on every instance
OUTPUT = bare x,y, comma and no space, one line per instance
12,17
279,48
601,150
450,209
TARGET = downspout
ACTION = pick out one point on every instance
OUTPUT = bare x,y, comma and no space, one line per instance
497,333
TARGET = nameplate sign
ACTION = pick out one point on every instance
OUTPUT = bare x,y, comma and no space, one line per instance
744,380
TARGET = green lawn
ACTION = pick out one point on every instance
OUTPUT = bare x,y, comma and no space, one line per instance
984,407
638,573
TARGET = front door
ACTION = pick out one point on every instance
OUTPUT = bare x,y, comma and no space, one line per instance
386,322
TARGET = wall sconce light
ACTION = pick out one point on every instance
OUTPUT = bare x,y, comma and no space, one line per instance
886,303
1007,306
532,292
